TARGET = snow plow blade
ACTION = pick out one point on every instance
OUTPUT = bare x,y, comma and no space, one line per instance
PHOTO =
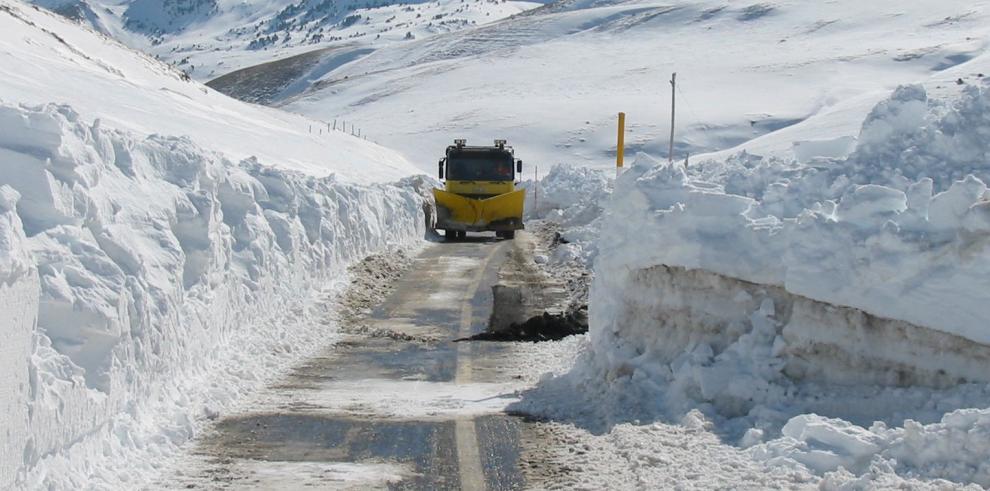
499,213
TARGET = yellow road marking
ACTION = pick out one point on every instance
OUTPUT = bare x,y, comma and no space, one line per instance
468,456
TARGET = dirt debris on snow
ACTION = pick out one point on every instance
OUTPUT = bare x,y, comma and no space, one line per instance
575,276
545,327
534,303
372,280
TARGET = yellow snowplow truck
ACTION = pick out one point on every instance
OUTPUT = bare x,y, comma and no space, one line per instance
480,192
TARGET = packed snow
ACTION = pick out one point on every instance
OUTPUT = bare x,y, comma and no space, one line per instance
159,259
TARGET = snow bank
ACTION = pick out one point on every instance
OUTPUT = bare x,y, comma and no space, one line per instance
19,304
574,198
865,232
826,313
575,194
147,283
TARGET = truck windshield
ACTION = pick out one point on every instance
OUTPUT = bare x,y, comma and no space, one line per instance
480,166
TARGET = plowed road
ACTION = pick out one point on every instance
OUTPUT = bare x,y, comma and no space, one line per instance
406,410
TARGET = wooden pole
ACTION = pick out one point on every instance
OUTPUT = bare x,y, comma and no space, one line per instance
620,145
673,107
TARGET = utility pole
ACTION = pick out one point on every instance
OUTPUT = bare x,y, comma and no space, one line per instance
673,107
536,188
620,144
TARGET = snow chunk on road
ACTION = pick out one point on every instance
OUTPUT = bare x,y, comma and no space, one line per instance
824,444
956,448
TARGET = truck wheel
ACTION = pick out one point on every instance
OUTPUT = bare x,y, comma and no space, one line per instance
511,234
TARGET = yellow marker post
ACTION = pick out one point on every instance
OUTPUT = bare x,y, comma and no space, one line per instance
621,141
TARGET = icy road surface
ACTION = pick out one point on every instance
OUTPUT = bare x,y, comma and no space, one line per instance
403,407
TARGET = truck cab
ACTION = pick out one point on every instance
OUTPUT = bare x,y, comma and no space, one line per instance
479,191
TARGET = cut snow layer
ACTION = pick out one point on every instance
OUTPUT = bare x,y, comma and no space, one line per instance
166,281
19,305
899,230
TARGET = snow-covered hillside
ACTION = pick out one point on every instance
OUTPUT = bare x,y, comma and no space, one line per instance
130,91
210,38
162,250
552,80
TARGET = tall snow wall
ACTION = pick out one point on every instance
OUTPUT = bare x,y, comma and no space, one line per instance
19,290
146,283
871,269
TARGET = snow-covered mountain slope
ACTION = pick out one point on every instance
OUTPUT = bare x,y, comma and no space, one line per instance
130,91
163,250
210,38
551,80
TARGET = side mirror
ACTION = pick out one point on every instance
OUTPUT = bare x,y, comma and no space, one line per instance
519,166
441,168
